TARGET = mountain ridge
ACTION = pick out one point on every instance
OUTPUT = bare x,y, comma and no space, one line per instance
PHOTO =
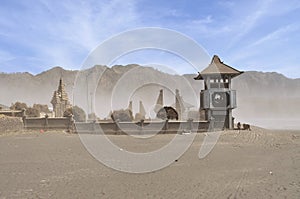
259,94
115,66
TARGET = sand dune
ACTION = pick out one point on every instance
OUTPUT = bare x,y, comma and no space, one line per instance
246,164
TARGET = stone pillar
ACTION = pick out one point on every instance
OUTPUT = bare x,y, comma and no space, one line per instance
142,123
166,126
230,119
229,82
117,126
24,121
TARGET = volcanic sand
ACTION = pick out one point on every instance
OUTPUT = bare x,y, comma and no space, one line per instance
247,164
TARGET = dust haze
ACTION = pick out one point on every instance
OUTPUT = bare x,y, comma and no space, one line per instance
269,100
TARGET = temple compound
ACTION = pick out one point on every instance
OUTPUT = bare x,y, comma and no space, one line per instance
218,99
60,101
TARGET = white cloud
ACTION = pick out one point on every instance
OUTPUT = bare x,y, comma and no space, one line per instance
207,20
63,33
244,24
204,27
88,24
60,33
250,16
258,47
278,34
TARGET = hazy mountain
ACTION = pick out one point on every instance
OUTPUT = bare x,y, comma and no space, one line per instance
260,95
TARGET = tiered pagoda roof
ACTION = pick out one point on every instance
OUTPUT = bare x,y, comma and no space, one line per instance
217,67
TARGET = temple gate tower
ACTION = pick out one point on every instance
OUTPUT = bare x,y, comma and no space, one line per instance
218,99
60,101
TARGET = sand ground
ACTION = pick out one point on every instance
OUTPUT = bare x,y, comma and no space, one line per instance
250,164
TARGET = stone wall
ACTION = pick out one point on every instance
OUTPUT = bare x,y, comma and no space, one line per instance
142,128
66,123
8,124
49,123
13,113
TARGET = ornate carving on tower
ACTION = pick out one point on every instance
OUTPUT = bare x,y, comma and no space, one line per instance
60,101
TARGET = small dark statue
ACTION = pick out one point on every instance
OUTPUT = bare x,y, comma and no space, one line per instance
167,112
247,127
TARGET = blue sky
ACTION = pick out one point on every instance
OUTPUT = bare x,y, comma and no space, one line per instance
262,35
